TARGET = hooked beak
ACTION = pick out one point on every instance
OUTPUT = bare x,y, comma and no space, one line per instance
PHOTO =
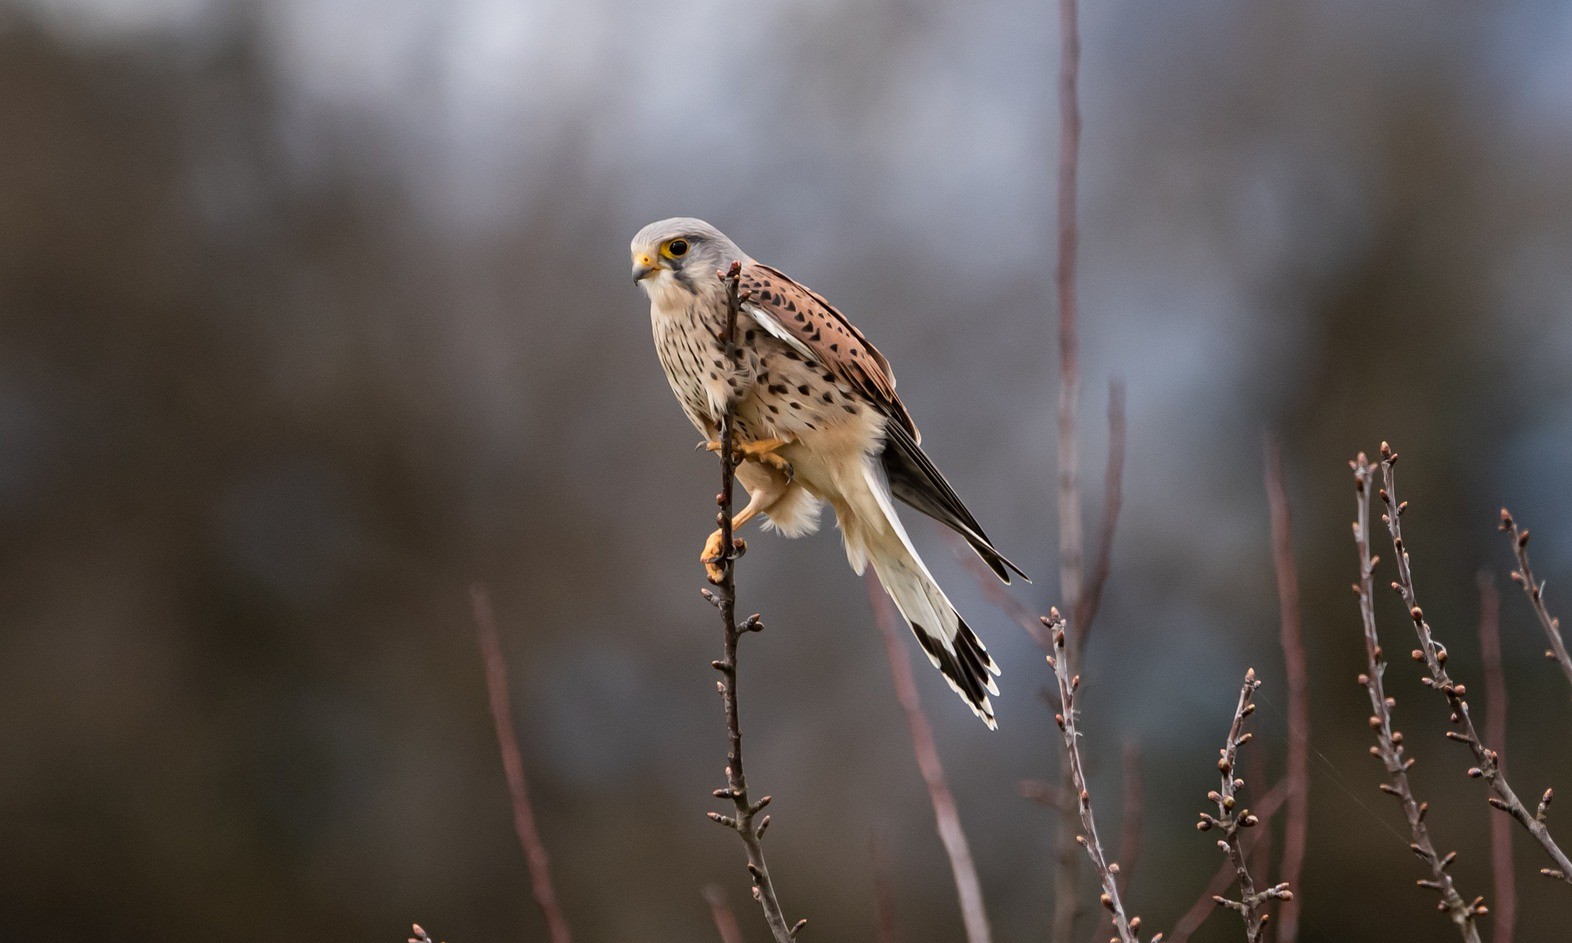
645,265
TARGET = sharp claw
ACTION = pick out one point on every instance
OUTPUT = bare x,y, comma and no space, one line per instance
711,557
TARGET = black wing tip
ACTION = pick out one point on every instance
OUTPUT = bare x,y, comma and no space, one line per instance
916,481
1001,565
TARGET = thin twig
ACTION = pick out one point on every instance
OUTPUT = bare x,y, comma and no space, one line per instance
1129,833
513,765
968,888
1107,871
883,891
1496,729
1535,591
1206,904
1113,500
736,788
1297,816
720,910
1231,818
1389,747
1434,656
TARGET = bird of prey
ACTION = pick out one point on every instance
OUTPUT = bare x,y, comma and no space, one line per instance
816,418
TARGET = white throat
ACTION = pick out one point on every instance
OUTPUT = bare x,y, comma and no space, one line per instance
667,295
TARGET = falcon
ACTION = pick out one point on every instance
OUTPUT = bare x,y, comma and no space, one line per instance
816,419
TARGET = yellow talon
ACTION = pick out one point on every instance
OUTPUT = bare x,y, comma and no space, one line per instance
776,462
762,451
711,556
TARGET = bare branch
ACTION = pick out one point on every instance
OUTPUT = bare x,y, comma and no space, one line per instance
1434,656
967,887
1206,904
1231,818
720,910
1495,728
513,765
1293,643
736,788
1389,747
1107,871
1535,591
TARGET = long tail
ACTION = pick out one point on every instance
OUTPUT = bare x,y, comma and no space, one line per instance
945,637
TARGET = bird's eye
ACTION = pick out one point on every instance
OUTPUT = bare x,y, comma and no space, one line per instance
677,248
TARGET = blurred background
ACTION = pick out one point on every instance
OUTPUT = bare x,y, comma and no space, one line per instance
312,311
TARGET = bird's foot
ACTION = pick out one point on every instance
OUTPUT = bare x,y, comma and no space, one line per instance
711,556
762,451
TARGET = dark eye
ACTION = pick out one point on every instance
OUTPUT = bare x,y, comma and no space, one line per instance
678,247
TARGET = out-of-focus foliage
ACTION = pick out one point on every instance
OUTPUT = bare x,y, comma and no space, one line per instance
313,310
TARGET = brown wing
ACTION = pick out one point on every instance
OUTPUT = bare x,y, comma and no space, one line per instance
801,317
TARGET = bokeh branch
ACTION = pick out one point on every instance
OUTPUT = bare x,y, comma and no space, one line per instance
1000,596
513,765
1434,656
1535,591
1297,814
1071,547
720,911
1113,499
1129,833
725,600
883,891
1231,818
947,818
1080,804
1496,729
1389,747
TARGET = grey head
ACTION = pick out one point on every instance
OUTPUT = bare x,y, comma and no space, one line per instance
684,251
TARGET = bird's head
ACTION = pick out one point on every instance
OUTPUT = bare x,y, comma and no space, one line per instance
681,254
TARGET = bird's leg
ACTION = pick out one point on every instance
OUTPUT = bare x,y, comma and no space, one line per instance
762,451
765,487
710,556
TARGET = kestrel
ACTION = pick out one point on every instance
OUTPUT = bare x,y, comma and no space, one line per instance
816,419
